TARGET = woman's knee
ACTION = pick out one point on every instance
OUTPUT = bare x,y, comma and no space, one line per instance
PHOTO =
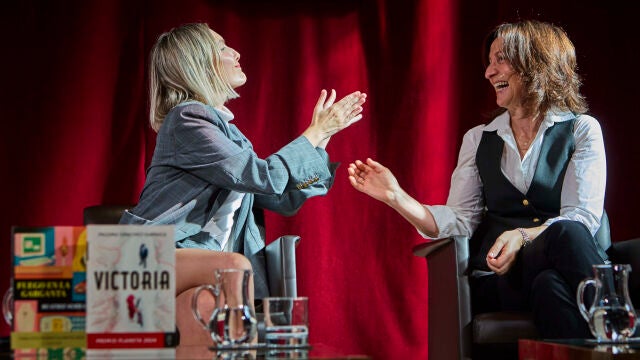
569,234
238,261
201,259
568,228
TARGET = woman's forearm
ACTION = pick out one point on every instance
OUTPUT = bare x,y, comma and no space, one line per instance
414,212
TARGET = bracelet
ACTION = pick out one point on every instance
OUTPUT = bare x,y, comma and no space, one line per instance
525,237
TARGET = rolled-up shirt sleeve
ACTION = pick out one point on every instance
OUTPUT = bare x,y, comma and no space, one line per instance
583,189
463,211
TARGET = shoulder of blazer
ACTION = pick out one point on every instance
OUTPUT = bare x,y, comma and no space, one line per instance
195,110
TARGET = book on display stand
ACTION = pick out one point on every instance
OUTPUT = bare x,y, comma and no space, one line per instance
49,291
130,291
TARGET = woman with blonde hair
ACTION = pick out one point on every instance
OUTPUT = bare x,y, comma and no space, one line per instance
204,177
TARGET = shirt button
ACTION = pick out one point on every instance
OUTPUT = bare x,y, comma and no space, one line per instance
525,202
535,220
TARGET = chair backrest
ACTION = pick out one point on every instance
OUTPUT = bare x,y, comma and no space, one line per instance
280,256
628,252
104,214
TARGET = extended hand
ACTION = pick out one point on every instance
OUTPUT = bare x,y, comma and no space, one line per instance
329,117
374,180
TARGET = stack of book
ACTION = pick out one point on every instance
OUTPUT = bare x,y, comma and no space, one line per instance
106,289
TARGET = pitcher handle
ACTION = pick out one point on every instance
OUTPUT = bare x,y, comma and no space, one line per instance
580,297
7,306
215,291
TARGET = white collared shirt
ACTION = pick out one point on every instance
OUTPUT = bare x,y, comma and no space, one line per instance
583,189
221,223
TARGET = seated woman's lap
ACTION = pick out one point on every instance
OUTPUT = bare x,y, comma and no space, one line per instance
566,247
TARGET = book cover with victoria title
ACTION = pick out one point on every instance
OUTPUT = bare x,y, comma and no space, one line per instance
130,287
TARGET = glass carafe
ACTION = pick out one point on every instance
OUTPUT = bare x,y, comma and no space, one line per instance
233,321
611,316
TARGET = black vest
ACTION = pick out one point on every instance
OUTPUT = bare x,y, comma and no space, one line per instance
506,208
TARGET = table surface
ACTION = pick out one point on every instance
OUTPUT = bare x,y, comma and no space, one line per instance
317,351
573,349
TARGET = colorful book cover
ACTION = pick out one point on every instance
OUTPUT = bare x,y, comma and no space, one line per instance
130,287
49,287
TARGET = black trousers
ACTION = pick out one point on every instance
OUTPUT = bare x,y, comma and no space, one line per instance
544,281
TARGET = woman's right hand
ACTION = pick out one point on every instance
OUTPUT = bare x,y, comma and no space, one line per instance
330,118
374,180
379,182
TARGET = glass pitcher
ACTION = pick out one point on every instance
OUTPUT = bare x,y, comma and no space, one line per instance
7,306
233,321
611,316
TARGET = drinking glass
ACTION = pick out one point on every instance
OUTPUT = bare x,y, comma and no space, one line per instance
286,321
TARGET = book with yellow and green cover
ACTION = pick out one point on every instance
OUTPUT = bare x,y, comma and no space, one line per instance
49,287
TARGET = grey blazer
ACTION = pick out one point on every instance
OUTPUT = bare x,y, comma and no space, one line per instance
199,158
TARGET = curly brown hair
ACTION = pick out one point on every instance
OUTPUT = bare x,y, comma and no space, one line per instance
545,58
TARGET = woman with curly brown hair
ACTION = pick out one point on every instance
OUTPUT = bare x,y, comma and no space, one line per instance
529,186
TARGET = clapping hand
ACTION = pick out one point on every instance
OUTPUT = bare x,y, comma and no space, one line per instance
330,117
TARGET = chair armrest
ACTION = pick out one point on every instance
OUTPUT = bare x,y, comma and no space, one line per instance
103,214
428,248
280,265
449,300
280,259
628,252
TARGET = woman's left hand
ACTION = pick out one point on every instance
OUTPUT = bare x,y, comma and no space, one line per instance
502,254
330,118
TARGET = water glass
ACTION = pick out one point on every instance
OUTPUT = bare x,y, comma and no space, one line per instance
286,322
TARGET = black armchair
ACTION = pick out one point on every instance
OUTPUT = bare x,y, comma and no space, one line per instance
455,334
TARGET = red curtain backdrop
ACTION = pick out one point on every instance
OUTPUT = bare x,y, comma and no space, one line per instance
76,131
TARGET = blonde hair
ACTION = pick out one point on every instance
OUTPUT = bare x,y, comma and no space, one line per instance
545,58
185,64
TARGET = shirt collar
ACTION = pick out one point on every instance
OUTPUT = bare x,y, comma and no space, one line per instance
224,113
501,122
